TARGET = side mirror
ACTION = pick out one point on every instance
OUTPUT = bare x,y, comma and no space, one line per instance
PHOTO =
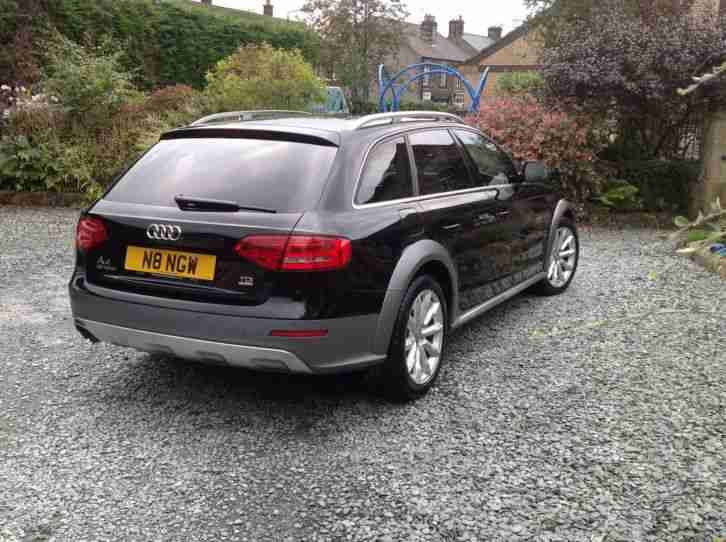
535,172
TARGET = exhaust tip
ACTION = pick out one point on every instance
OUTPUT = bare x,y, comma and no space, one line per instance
85,333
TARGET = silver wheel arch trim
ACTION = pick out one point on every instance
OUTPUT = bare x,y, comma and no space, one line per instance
563,206
414,257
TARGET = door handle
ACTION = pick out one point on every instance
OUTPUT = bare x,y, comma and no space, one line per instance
452,227
503,213
405,213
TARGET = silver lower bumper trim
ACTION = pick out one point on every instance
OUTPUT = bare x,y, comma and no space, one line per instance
251,357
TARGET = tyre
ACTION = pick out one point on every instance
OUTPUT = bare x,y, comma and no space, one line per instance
563,260
418,342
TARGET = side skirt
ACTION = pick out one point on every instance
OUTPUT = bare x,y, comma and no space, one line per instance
493,302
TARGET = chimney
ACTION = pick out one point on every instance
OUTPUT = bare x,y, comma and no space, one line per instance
269,9
495,33
456,28
428,29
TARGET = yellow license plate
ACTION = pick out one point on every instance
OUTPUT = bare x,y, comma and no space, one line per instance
170,263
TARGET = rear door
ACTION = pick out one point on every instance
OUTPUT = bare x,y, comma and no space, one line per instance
160,242
460,215
385,218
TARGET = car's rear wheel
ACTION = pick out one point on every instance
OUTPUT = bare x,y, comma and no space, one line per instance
418,342
563,260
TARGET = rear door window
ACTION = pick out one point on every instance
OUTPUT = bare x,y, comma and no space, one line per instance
281,175
387,174
493,166
440,164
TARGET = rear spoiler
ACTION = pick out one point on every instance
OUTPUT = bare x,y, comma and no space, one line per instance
310,136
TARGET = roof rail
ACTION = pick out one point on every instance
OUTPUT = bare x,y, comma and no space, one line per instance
380,119
242,116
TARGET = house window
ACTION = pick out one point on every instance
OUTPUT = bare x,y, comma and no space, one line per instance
459,84
426,97
443,80
427,78
459,98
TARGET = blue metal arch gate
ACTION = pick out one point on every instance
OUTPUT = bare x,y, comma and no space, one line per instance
384,85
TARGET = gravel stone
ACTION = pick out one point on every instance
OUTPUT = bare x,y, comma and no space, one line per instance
598,415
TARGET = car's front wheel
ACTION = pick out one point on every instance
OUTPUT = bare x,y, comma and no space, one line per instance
418,342
563,260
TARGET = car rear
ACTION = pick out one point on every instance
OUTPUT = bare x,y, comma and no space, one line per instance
194,253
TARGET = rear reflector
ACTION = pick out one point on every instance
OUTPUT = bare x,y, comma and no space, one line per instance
295,252
90,232
299,333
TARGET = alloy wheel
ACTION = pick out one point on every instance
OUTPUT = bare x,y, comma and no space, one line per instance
424,337
564,257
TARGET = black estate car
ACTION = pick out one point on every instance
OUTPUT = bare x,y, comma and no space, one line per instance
317,245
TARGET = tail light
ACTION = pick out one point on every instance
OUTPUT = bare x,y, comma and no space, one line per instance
90,232
295,252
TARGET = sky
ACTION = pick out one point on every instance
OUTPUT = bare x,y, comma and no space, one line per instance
478,15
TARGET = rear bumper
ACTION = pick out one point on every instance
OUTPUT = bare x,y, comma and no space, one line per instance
222,338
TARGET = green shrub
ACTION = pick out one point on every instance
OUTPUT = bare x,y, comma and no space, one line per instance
262,77
517,83
663,185
24,166
620,195
89,83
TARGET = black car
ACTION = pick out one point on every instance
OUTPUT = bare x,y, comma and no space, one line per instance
317,245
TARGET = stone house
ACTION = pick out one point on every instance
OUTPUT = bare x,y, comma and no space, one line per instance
423,43
518,51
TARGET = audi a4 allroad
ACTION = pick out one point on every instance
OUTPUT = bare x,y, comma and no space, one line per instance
290,243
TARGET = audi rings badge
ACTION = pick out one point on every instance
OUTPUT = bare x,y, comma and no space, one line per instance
164,232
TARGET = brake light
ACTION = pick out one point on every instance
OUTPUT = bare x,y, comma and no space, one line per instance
90,232
264,250
296,252
310,253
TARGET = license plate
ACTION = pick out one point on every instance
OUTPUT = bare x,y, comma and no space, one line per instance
170,263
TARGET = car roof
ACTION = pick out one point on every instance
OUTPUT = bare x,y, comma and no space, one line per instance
330,130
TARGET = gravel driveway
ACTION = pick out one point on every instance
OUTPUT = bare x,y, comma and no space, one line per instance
598,415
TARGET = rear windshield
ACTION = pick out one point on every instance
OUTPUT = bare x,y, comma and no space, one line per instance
281,175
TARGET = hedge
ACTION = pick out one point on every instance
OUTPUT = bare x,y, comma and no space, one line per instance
167,43
663,184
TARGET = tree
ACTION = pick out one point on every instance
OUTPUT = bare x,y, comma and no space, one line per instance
357,35
551,15
625,61
262,77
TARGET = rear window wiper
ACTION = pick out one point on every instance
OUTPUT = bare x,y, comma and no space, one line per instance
190,203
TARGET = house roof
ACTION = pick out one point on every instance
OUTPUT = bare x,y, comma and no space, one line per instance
477,42
441,49
510,38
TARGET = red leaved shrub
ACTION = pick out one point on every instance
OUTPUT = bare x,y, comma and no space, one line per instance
530,130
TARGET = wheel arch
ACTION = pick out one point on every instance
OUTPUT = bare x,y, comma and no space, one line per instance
423,257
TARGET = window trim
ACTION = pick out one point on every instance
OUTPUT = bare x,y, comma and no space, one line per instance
472,163
369,151
414,171
462,153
